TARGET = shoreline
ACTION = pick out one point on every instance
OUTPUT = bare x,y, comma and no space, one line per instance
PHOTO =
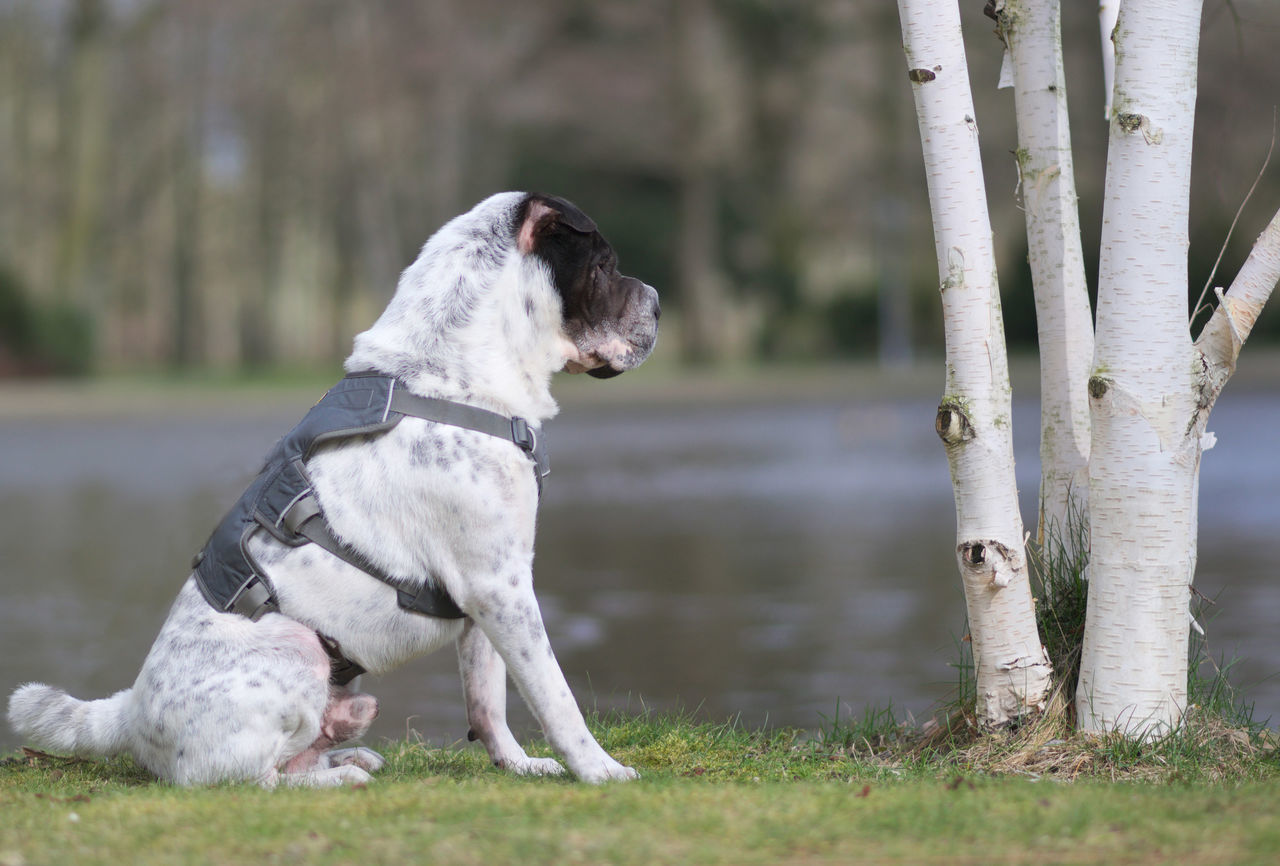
661,383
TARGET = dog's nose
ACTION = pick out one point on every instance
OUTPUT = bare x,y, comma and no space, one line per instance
654,306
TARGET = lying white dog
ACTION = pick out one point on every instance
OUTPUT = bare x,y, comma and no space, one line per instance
246,680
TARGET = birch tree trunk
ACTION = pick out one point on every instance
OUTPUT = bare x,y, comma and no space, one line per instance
1214,356
1145,456
1108,12
974,418
1032,34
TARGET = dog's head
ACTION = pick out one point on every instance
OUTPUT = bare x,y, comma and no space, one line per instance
610,320
504,295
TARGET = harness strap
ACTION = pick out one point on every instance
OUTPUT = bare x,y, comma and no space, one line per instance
342,670
254,601
305,518
514,429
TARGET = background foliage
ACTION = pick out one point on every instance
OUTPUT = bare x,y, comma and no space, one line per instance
237,184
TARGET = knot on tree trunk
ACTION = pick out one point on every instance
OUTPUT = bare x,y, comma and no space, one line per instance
988,560
952,423
1099,386
1134,123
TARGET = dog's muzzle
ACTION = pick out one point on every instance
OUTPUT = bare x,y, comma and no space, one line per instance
627,342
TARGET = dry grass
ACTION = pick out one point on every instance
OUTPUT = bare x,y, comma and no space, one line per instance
1205,749
1217,742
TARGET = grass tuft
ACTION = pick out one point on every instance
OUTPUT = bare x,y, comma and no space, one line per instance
1058,565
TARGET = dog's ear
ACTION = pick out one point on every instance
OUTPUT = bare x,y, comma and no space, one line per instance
544,214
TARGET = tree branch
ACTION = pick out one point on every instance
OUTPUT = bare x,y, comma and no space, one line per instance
1200,305
1238,308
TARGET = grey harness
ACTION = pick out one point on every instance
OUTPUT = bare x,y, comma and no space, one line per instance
282,500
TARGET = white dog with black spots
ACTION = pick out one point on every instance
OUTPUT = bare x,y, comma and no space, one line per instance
499,299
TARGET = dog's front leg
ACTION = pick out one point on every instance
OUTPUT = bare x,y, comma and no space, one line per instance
484,687
512,621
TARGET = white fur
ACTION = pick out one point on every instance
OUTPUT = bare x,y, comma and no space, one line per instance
222,698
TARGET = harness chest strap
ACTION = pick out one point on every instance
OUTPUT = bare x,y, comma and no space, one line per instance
282,500
305,518
516,429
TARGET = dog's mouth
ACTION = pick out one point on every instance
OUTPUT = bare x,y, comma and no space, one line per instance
611,355
608,347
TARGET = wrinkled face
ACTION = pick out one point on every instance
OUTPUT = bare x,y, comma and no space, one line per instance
610,320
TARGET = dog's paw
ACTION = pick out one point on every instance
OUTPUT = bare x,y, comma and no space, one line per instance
331,777
527,766
365,759
608,770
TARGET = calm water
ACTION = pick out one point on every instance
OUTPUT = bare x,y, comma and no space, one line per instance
757,559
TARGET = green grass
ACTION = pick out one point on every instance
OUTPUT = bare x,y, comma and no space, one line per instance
709,793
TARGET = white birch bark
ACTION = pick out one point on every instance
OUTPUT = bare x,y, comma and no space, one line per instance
1219,343
1145,454
974,418
1108,12
1032,35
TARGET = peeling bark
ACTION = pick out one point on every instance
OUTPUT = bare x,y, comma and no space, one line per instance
1013,683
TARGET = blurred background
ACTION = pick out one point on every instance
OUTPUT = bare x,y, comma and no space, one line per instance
202,202
237,184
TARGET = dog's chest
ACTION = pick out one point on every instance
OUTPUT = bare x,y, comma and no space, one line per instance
440,503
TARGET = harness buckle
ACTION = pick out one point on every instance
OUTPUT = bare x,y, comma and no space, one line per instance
303,507
254,600
523,435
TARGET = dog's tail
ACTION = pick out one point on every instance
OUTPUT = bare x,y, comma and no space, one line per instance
51,719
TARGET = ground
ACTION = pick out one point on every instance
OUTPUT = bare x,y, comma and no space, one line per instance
708,794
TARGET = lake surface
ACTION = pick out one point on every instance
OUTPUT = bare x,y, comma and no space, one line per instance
765,558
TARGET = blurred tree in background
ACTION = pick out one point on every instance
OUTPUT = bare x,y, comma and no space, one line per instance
231,184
